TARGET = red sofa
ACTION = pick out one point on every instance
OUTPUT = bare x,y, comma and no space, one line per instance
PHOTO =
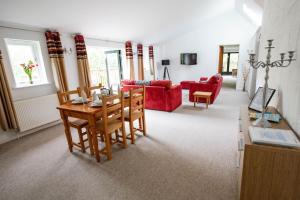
160,94
213,85
186,84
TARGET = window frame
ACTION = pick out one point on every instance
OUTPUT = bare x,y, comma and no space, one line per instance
37,53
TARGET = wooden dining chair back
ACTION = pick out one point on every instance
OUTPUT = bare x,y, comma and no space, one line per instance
79,124
65,97
112,123
136,112
90,90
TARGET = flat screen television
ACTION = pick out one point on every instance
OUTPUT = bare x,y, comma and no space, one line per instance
188,59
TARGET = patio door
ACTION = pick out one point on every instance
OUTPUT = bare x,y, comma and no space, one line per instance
230,62
113,67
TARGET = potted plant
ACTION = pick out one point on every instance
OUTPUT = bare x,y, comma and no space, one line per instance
28,69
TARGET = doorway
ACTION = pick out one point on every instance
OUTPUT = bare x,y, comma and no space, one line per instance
114,67
230,63
105,66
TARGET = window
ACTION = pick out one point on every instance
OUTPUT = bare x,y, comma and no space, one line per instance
24,51
105,65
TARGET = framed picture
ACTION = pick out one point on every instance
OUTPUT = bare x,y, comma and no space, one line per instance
257,100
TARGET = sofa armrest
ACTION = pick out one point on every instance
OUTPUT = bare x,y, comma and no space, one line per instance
174,97
204,78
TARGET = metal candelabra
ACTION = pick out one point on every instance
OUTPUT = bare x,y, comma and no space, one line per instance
262,121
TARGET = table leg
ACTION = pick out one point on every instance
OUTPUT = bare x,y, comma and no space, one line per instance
64,117
195,101
207,101
92,124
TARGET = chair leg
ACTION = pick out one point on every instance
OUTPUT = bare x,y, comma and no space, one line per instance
117,134
102,138
81,140
108,146
140,124
90,141
144,124
124,136
131,132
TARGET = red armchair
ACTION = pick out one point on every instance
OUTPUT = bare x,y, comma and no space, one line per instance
160,95
213,85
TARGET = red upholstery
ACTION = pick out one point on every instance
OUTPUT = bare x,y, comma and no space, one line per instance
213,85
203,79
162,83
160,95
186,84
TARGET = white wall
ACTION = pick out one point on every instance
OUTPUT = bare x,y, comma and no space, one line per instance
225,29
281,22
33,91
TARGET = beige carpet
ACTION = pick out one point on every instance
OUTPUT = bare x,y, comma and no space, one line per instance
188,154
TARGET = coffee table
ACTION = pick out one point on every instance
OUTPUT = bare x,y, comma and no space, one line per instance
200,94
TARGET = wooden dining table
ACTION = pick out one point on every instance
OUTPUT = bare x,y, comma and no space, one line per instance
89,113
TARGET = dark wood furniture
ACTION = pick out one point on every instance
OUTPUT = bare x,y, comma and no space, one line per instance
266,172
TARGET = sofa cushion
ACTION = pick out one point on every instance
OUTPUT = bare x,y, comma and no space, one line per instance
163,83
128,82
142,82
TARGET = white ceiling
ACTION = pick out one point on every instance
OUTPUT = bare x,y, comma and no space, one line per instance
148,21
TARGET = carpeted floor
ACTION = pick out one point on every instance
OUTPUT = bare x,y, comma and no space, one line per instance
188,154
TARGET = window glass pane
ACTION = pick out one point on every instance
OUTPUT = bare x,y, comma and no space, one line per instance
225,59
113,67
21,52
97,65
234,57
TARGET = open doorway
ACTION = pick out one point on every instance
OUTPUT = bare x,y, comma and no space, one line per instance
228,64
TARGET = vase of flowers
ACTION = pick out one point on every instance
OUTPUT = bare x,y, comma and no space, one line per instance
28,69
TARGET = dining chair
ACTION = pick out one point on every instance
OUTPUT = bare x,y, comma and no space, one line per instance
79,124
135,112
89,90
112,123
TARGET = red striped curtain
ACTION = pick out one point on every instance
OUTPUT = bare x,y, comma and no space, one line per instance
129,58
82,62
140,62
151,61
56,55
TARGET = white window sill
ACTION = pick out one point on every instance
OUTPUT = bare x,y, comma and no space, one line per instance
31,85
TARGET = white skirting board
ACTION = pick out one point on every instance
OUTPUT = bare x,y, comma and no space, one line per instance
36,112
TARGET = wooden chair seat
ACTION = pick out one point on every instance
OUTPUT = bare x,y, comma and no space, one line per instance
111,125
135,115
78,123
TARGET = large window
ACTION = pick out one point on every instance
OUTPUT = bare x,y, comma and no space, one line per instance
105,66
24,52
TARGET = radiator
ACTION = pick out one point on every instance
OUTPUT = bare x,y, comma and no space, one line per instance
36,112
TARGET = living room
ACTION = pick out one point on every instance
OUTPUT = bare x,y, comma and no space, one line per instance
149,99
